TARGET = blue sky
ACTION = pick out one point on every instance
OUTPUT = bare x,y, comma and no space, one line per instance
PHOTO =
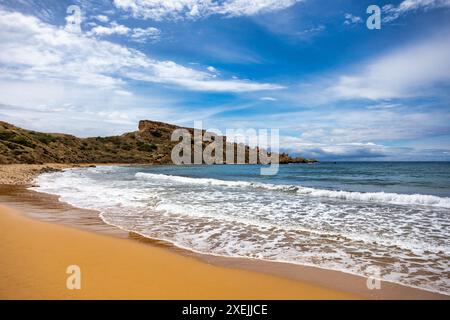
311,68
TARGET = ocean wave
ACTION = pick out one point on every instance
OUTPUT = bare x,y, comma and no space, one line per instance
289,223
384,197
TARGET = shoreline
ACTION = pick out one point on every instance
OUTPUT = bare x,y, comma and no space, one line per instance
340,281
33,266
24,174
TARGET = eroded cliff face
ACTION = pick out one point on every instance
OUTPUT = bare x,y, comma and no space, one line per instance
149,126
151,144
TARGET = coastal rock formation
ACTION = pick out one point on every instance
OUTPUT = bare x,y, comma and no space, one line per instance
151,144
151,126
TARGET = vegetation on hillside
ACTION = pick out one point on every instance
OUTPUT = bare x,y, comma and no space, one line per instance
151,144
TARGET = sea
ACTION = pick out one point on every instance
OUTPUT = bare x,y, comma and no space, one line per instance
381,219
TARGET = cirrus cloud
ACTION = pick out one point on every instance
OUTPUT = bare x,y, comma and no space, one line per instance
393,12
195,9
140,35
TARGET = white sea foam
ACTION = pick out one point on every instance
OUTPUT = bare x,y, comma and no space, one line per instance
346,231
394,198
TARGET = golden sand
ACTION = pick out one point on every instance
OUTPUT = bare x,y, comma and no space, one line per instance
34,257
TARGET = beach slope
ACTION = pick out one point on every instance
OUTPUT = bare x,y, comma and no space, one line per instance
34,257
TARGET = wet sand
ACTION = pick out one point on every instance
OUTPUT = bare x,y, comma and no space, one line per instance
35,256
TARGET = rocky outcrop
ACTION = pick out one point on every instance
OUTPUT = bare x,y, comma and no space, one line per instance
286,159
149,126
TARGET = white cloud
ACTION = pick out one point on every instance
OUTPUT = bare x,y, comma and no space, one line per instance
341,126
136,34
339,151
348,133
33,50
393,12
102,18
351,19
194,9
310,32
252,7
385,106
114,28
170,72
268,99
410,71
144,35
90,111
85,111
123,93
362,151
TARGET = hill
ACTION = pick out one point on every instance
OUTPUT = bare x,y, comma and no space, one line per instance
151,144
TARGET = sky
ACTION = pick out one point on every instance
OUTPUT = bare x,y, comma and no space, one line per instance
310,68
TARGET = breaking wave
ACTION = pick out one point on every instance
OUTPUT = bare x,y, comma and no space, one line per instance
393,198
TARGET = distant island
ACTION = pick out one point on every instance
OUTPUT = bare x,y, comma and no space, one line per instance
151,144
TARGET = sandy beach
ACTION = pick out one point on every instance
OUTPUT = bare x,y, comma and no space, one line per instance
23,174
225,150
41,236
35,255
